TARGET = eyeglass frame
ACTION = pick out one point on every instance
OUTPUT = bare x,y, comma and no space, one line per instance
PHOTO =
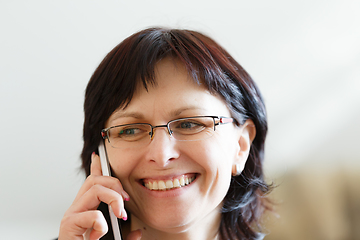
222,120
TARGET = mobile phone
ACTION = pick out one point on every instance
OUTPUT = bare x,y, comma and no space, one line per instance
105,168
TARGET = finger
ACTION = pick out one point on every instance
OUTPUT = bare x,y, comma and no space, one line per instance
76,225
95,167
134,235
96,194
109,182
96,171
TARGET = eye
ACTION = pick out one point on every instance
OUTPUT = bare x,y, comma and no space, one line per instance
129,131
188,126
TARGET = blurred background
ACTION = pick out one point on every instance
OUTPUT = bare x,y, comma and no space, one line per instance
304,55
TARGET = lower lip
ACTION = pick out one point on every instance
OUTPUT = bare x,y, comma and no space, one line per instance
174,192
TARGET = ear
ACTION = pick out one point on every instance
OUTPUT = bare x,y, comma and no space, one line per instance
247,133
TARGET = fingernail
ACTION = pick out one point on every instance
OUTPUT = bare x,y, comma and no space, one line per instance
125,195
124,214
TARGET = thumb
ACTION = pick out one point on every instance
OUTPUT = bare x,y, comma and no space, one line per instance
134,235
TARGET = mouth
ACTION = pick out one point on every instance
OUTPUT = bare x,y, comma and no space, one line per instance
164,185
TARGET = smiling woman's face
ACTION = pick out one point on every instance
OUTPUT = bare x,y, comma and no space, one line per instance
207,164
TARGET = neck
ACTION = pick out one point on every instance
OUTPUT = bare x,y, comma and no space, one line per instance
203,229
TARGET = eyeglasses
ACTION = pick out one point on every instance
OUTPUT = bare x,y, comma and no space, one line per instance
182,129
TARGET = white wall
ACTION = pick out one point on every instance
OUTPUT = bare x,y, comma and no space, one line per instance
304,55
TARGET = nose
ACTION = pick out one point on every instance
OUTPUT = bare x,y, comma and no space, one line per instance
163,148
152,133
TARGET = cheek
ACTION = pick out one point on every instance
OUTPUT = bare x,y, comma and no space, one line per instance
220,151
217,165
122,163
215,158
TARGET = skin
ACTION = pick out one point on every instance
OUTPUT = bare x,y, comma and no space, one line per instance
82,218
191,212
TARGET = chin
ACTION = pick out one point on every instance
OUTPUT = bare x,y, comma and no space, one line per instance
175,221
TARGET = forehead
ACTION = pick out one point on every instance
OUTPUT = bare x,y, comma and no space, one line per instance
170,71
174,94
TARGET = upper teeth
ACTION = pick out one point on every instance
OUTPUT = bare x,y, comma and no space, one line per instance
169,184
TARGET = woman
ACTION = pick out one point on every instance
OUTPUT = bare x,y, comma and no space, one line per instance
184,128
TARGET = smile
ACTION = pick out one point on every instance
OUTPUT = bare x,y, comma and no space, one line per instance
163,185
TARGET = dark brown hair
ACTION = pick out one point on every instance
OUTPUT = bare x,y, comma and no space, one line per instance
132,62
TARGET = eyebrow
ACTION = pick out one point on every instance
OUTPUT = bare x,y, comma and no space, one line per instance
179,111
139,115
120,114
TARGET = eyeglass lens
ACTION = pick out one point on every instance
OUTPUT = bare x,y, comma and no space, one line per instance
187,129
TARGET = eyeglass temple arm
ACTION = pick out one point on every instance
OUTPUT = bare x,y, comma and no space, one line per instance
104,134
224,120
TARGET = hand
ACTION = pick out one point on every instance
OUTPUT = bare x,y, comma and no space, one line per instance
83,216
